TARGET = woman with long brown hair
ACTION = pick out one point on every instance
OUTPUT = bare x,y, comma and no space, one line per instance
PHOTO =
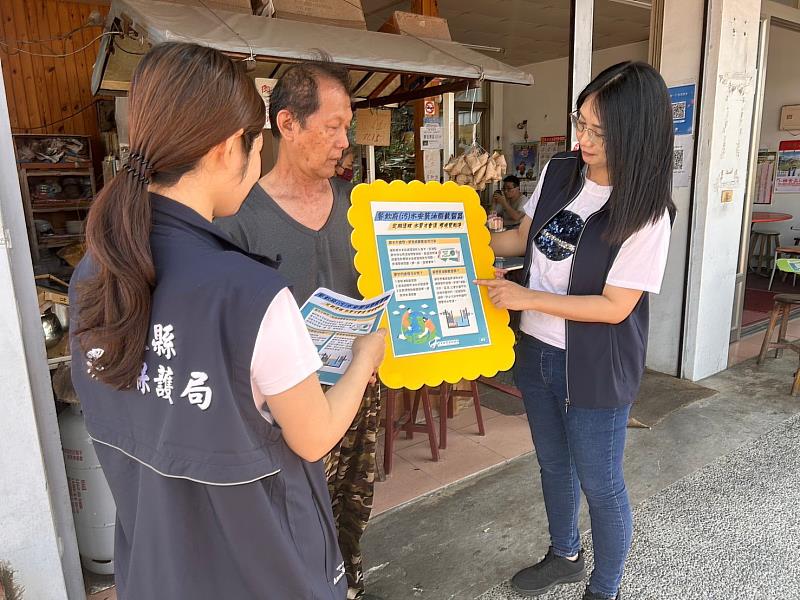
195,372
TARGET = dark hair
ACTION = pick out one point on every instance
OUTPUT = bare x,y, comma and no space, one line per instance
511,179
184,100
635,111
297,90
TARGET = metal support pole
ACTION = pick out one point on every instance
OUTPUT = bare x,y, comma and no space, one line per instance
580,54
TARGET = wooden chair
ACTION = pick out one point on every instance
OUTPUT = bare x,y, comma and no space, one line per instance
407,422
763,245
447,396
784,303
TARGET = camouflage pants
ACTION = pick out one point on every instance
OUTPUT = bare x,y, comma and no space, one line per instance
350,469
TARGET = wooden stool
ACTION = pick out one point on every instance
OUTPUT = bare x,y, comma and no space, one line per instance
780,311
447,397
408,423
763,245
789,251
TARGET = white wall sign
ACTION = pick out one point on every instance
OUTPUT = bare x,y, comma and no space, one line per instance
264,87
682,161
431,137
432,162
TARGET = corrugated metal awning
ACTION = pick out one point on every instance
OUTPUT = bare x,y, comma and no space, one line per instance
385,68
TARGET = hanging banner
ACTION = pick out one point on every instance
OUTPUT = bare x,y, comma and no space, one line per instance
265,87
787,180
428,242
373,126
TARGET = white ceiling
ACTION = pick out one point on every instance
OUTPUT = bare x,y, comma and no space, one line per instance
529,31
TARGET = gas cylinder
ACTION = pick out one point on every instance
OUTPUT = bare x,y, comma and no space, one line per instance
93,508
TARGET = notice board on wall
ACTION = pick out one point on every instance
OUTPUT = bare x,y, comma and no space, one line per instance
373,126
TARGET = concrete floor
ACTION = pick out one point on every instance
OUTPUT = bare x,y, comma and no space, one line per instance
461,541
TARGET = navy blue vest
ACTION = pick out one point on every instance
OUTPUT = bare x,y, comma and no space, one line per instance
605,362
211,502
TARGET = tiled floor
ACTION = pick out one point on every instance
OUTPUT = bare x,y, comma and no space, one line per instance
467,453
750,346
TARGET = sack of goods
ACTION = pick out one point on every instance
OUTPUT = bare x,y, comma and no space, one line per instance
476,168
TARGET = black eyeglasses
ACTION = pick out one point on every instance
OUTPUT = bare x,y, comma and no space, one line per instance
580,127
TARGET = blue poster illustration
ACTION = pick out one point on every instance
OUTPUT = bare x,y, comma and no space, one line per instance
425,257
683,97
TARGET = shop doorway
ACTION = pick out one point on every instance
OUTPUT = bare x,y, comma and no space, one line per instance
771,219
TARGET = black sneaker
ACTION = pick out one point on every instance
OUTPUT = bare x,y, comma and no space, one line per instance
590,595
551,571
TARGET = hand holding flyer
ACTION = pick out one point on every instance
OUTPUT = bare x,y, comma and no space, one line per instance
334,322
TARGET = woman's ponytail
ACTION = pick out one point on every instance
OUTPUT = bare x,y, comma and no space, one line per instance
184,100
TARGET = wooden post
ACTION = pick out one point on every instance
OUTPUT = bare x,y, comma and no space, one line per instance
428,8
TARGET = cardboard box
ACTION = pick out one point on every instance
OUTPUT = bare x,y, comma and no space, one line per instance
237,6
434,28
341,13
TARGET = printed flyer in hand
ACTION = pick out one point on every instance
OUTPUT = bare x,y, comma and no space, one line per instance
334,321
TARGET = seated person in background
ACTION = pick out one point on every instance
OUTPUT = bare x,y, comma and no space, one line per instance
509,203
344,168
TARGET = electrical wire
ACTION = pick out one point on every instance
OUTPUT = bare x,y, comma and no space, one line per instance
14,51
119,47
63,36
75,114
252,57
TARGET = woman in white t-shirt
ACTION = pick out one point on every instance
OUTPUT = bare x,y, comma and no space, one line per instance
595,239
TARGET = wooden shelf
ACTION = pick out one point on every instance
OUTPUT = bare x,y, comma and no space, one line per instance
46,206
59,166
56,211
60,173
60,240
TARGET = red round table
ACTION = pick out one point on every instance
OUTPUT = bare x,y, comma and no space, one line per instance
770,217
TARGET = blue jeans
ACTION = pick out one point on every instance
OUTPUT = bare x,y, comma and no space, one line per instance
577,449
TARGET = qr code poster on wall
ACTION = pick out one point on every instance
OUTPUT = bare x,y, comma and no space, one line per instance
677,158
683,102
682,160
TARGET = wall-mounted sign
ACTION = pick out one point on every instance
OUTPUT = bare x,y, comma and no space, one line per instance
525,161
431,137
787,180
765,176
265,87
683,97
373,126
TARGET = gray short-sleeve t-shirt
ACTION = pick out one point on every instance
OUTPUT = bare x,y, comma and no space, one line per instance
309,259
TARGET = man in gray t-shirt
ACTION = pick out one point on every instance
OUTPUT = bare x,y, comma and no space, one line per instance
298,212
309,259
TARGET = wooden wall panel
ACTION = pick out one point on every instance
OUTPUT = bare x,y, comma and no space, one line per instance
47,92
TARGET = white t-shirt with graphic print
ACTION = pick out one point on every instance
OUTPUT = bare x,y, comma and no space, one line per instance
639,265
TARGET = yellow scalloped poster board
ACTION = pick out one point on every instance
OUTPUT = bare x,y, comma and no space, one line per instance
428,242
